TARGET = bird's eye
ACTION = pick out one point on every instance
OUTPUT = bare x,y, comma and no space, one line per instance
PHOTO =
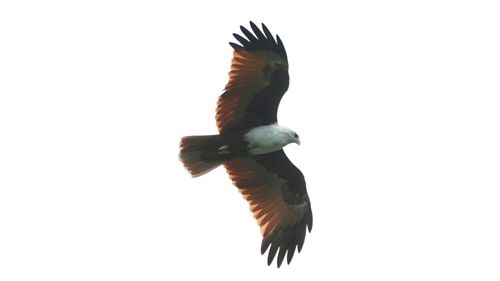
295,135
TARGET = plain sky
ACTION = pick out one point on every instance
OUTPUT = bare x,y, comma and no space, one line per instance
397,104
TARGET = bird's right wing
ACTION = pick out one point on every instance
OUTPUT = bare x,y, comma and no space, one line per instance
276,192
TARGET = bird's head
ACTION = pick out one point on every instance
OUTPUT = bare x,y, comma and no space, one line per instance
296,138
293,137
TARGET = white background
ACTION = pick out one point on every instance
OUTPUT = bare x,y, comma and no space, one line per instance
397,105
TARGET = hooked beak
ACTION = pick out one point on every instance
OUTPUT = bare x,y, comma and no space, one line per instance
298,141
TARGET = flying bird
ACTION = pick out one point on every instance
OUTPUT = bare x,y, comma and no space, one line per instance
250,143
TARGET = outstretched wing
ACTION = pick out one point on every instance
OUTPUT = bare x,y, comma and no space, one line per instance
257,81
276,192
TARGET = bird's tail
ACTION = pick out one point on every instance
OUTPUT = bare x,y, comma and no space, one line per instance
199,154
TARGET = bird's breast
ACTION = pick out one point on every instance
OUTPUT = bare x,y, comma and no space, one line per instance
264,139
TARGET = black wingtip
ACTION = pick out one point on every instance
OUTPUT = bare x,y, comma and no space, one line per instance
269,260
248,34
263,249
235,46
281,255
259,39
243,41
289,256
268,33
272,253
265,244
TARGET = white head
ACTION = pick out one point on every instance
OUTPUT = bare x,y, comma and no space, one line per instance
291,135
269,138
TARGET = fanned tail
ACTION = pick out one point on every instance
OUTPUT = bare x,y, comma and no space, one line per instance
199,154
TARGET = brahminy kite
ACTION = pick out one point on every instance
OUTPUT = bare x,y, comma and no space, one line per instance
250,143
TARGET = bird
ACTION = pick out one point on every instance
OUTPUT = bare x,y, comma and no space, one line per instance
250,143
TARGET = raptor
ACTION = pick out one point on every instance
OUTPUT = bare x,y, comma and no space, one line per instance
250,144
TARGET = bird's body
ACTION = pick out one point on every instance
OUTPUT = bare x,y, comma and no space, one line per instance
213,150
250,142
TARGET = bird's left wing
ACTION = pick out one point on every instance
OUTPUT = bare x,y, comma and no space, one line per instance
276,192
257,81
